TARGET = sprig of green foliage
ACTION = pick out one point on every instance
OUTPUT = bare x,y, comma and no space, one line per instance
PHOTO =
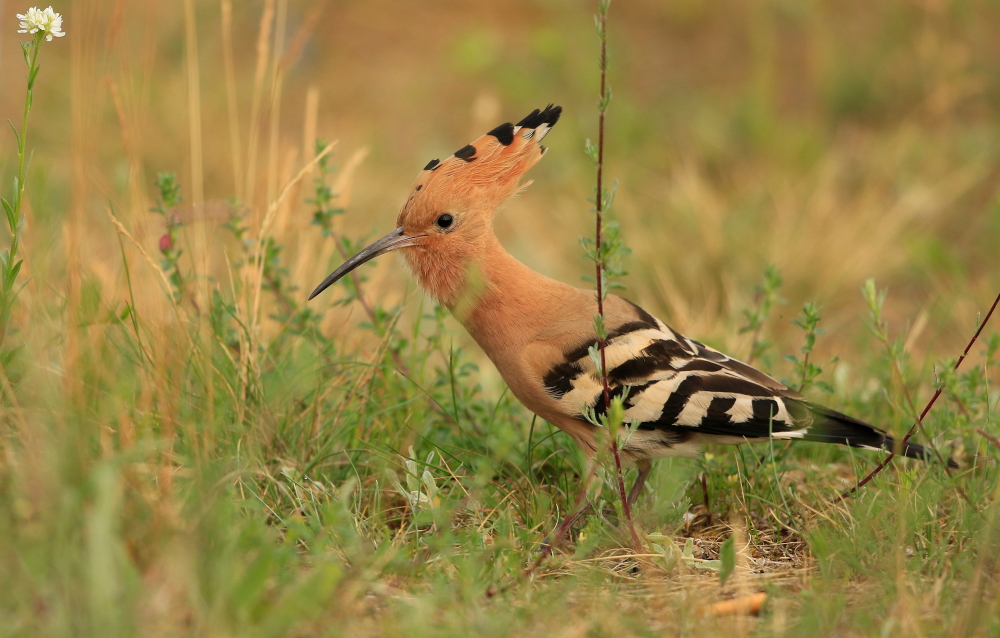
766,295
606,250
807,371
10,264
169,190
897,356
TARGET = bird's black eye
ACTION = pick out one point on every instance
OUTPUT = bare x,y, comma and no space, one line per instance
444,221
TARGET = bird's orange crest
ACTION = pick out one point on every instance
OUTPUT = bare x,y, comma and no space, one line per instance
481,175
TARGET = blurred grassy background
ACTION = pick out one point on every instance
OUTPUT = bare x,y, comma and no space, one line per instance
839,141
211,467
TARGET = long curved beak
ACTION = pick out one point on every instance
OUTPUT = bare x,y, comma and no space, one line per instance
392,241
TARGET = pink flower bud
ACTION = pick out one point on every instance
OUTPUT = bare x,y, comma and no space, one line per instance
166,243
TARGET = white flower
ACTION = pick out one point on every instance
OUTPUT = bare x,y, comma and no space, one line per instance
48,22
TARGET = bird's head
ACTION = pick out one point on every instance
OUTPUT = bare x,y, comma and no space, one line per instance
448,217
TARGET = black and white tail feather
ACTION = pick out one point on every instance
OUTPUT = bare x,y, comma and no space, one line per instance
681,394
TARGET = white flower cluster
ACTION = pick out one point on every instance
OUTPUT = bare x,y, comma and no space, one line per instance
48,22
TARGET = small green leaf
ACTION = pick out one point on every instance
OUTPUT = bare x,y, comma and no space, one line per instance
17,136
616,413
727,559
599,327
668,550
7,357
9,211
591,150
668,561
688,548
595,357
602,105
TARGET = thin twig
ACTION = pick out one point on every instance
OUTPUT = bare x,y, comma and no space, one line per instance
989,437
927,408
923,431
599,268
805,371
580,507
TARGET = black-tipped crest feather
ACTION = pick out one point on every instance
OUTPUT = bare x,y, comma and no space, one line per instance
504,133
550,115
466,152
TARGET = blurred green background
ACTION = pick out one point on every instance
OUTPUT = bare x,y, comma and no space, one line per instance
837,140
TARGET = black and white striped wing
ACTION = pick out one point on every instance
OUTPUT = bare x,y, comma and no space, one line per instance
673,381
676,387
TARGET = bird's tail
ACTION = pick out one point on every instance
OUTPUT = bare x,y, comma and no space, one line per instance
833,427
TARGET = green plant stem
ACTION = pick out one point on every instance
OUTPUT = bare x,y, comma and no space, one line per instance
11,266
21,168
599,271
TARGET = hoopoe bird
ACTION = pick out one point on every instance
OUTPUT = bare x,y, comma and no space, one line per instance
678,394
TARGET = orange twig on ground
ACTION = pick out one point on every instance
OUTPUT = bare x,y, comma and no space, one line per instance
742,606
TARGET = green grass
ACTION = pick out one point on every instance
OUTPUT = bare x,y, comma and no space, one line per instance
171,486
188,448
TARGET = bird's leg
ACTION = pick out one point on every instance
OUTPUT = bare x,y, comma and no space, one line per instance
645,467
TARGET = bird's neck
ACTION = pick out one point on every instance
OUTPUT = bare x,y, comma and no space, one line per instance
500,301
503,302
